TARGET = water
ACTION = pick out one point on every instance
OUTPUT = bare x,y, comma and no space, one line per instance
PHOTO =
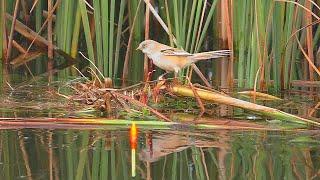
106,154
30,151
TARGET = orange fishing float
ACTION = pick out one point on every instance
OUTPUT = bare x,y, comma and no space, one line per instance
133,136
133,144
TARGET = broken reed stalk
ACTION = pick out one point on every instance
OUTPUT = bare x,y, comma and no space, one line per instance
50,13
28,33
69,123
18,47
224,99
35,38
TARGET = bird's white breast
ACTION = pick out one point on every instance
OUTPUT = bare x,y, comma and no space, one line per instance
160,61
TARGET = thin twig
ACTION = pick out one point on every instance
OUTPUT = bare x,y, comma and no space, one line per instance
12,29
163,24
33,5
202,77
92,64
196,95
308,10
203,159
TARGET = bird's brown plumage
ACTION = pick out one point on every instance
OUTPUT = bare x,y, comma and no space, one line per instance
172,59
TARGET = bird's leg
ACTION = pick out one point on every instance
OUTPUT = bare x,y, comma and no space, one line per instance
175,79
161,77
196,95
156,89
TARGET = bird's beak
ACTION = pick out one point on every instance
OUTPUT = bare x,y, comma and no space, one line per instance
139,47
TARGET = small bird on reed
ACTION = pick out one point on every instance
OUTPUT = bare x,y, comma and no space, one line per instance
174,60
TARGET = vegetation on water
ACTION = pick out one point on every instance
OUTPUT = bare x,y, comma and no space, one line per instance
273,44
275,47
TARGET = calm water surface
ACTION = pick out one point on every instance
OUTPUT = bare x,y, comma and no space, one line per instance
103,152
163,154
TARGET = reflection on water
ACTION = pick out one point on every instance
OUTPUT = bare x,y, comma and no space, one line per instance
106,154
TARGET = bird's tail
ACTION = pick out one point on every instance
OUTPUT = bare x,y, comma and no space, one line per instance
211,55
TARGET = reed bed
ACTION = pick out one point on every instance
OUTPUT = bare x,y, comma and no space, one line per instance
265,36
274,43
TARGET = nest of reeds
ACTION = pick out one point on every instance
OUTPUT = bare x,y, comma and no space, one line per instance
132,99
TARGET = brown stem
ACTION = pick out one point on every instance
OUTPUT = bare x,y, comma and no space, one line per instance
50,46
18,47
309,40
228,21
16,8
202,77
146,36
50,152
45,22
196,95
25,155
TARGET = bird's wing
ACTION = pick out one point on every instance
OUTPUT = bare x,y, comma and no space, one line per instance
175,52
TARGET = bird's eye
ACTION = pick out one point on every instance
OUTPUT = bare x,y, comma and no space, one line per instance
144,46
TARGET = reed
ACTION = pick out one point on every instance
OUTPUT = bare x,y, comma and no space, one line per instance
87,32
277,52
61,154
111,35
68,19
174,166
105,36
124,165
2,17
38,22
70,159
136,62
98,32
118,39
83,154
2,39
6,155
96,159
113,162
104,166
76,32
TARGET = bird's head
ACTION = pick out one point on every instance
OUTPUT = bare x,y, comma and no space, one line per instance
147,46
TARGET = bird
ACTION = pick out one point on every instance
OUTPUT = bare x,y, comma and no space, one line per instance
173,59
